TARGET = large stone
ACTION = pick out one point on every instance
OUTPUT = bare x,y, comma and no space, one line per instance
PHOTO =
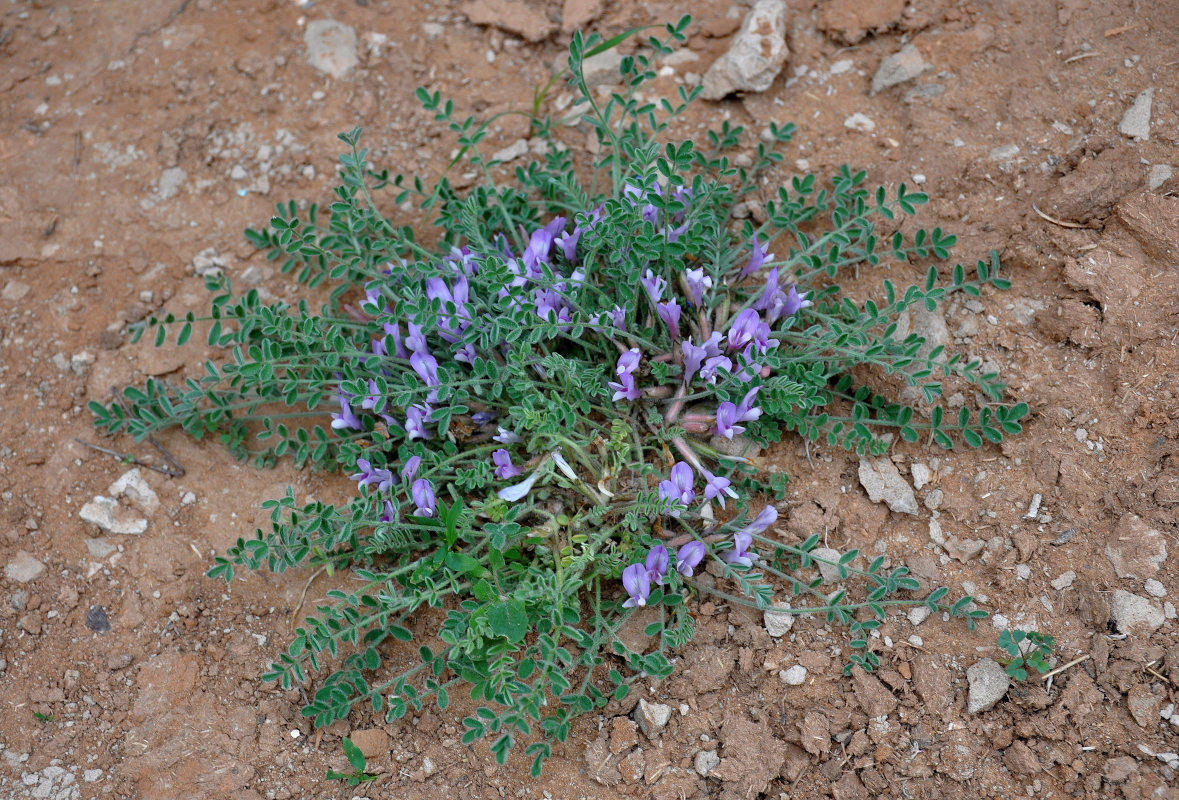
883,482
1136,550
755,57
988,683
899,68
331,47
1135,614
23,568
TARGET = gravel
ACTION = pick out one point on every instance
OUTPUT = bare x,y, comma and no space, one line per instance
706,762
652,718
777,623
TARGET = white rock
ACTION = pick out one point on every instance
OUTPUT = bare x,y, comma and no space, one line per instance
652,718
918,614
999,622
1133,613
1005,152
92,775
15,290
331,47
132,486
898,68
1170,613
1023,571
23,568
706,762
883,482
100,548
841,66
935,533
601,69
830,572
795,676
1160,174
755,57
106,513
859,122
1155,588
921,473
1064,581
778,623
988,683
512,152
1136,121
916,641
432,29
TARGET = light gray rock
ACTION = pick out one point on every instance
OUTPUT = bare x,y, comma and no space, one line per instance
1064,581
1136,121
988,683
100,548
918,614
132,486
331,47
921,473
859,122
1160,174
15,290
830,572
883,482
795,676
899,68
511,152
1135,614
1155,588
652,718
1135,549
106,513
23,568
778,623
601,69
755,57
1005,152
706,762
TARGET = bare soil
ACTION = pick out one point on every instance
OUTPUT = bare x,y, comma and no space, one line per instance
135,136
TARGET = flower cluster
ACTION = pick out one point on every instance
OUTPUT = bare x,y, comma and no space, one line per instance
638,577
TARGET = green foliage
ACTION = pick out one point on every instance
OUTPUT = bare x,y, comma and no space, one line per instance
514,350
356,759
1027,649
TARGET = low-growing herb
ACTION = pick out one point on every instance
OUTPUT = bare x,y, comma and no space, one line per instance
1026,649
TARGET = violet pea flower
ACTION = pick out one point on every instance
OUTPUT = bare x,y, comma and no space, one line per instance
669,312
368,475
504,468
697,283
711,365
625,388
423,497
416,418
628,362
740,553
505,436
416,339
712,345
346,418
726,420
717,487
767,517
410,469
744,329
637,582
796,302
678,489
653,285
746,412
373,398
688,557
758,258
618,318
388,514
693,358
657,561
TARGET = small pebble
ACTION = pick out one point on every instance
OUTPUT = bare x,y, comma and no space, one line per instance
795,676
1023,571
916,640
918,614
1155,588
1064,581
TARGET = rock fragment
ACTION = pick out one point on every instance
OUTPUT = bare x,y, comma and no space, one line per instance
795,676
1136,550
988,683
514,16
331,47
1135,614
859,122
899,68
921,473
132,486
579,13
706,762
883,482
871,694
23,568
106,513
652,718
756,55
15,290
1136,121
778,623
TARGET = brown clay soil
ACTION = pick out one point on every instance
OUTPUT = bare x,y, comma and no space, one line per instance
136,135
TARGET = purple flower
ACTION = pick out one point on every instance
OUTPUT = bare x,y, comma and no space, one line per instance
628,362
654,286
678,490
625,388
484,417
697,283
745,409
796,302
758,258
717,487
345,419
426,366
416,340
540,243
637,582
708,371
670,313
693,358
740,553
423,497
767,517
416,418
373,399
389,514
504,468
726,420
688,557
368,475
409,470
466,353
505,436
657,561
436,289
618,318
743,329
